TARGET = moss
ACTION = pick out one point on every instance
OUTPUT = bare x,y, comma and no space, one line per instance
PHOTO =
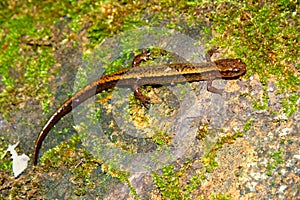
202,131
275,160
168,183
248,125
209,159
121,175
290,104
78,161
221,196
162,139
265,36
6,163
71,155
26,57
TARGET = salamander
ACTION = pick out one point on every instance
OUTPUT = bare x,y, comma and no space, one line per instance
150,75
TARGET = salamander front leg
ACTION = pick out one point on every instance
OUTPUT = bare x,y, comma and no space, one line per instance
212,89
141,58
209,54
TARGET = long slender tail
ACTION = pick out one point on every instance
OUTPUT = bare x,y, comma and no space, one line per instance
63,110
82,95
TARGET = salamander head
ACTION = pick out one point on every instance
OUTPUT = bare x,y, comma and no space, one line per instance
231,68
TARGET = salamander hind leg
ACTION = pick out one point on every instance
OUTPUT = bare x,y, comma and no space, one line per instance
139,95
143,57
